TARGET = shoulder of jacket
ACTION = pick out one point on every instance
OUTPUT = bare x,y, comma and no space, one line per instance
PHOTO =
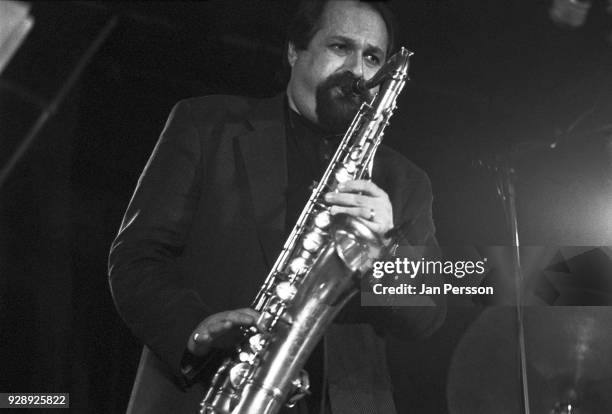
398,164
230,105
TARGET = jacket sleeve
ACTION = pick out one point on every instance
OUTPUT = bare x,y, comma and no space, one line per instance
412,201
427,314
144,276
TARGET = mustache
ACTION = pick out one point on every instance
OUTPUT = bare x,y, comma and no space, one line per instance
345,81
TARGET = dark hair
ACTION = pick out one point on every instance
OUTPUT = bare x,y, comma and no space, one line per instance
306,22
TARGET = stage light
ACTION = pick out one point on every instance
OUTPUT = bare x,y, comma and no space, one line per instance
15,24
570,13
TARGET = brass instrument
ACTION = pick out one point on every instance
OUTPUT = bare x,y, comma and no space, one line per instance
315,275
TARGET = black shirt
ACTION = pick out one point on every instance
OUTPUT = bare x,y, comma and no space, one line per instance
309,150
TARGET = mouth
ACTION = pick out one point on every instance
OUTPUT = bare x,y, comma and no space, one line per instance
347,93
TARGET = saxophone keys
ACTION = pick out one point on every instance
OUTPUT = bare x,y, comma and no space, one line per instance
342,175
312,241
240,373
286,291
244,356
257,342
297,265
301,388
351,167
322,219
351,251
267,317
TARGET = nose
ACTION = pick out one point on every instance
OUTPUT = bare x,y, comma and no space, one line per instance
354,64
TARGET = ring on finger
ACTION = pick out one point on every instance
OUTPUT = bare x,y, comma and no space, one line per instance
198,337
372,215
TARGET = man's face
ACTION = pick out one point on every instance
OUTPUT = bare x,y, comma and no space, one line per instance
350,44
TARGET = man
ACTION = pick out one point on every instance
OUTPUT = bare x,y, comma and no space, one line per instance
221,191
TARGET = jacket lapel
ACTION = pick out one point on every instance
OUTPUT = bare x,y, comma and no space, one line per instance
264,154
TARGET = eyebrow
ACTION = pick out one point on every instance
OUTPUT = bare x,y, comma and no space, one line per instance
369,48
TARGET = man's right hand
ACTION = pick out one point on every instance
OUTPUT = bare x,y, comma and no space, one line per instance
220,330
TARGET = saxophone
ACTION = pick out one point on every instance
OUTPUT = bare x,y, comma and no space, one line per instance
315,275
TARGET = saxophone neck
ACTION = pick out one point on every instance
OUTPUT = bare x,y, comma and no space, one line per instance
396,67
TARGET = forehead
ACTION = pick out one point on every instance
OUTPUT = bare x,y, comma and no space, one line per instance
354,20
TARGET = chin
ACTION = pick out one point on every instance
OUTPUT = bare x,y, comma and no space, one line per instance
335,111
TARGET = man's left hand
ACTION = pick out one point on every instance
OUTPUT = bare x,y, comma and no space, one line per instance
363,199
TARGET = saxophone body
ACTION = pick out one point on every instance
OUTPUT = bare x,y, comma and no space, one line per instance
315,275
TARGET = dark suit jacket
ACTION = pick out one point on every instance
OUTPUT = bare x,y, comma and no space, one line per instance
204,226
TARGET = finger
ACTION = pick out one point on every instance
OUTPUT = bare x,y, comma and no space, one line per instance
248,311
239,318
360,212
202,338
348,199
377,225
366,187
376,228
238,313
218,327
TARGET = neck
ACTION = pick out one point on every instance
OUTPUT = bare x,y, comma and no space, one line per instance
292,103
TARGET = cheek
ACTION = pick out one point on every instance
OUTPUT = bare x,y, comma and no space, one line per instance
369,73
307,77
326,65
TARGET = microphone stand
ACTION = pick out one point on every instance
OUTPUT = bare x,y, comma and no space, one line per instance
505,179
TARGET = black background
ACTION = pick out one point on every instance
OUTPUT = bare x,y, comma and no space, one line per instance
491,77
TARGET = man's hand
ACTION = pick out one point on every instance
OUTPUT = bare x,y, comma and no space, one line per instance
220,330
364,199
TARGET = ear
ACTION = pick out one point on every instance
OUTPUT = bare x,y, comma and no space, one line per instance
292,54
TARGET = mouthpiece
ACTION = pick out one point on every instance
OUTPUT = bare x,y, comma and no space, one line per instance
359,87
